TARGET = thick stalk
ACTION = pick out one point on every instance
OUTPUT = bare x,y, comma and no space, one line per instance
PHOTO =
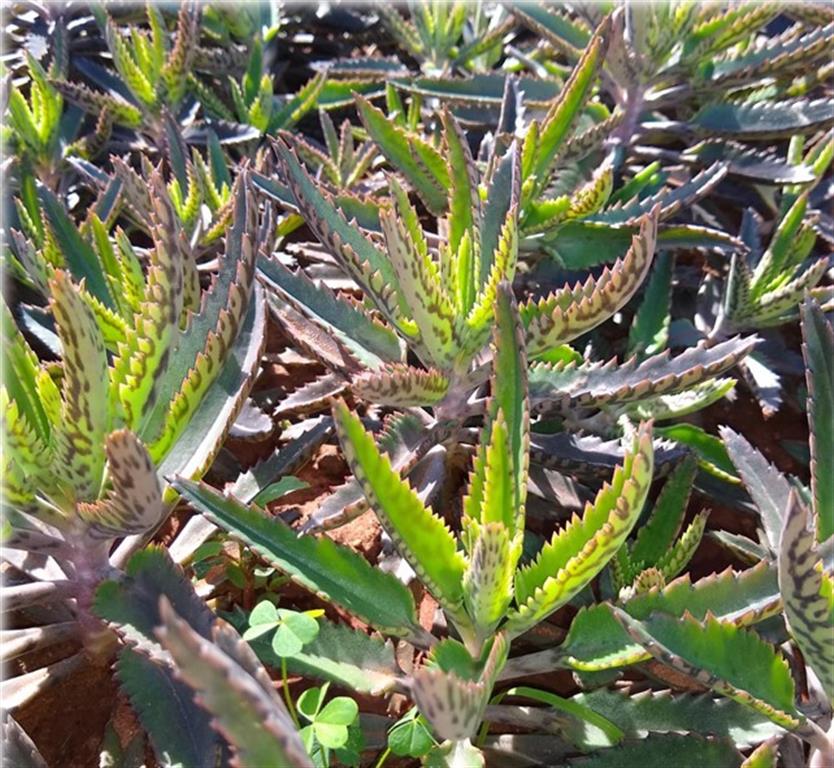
632,105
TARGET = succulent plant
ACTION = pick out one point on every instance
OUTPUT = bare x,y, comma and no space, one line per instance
344,163
433,299
89,441
151,66
34,125
497,295
444,36
476,577
253,98
404,291
673,58
195,685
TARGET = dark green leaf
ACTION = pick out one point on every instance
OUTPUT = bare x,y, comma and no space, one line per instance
79,254
327,569
818,351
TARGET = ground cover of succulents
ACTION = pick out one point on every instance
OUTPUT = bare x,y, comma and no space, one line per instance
435,383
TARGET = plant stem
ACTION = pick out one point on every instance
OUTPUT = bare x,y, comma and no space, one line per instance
483,731
383,757
285,688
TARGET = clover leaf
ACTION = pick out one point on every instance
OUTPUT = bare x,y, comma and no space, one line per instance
293,629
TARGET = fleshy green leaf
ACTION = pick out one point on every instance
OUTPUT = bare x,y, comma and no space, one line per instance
509,397
676,559
408,153
333,572
422,538
569,35
347,657
143,357
649,330
366,263
502,196
464,202
595,384
179,730
764,756
641,714
80,257
766,485
763,119
818,351
278,489
85,415
368,340
555,126
488,581
580,550
198,440
732,661
419,280
669,201
656,536
597,642
452,706
664,749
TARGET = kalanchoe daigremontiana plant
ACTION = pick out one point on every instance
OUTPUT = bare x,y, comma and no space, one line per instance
437,297
703,71
344,163
476,576
769,488
253,100
520,149
447,36
151,70
433,294
800,544
32,132
88,440
197,688
660,551
765,286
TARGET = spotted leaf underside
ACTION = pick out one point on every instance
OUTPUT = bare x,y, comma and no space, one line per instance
232,684
134,504
807,593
